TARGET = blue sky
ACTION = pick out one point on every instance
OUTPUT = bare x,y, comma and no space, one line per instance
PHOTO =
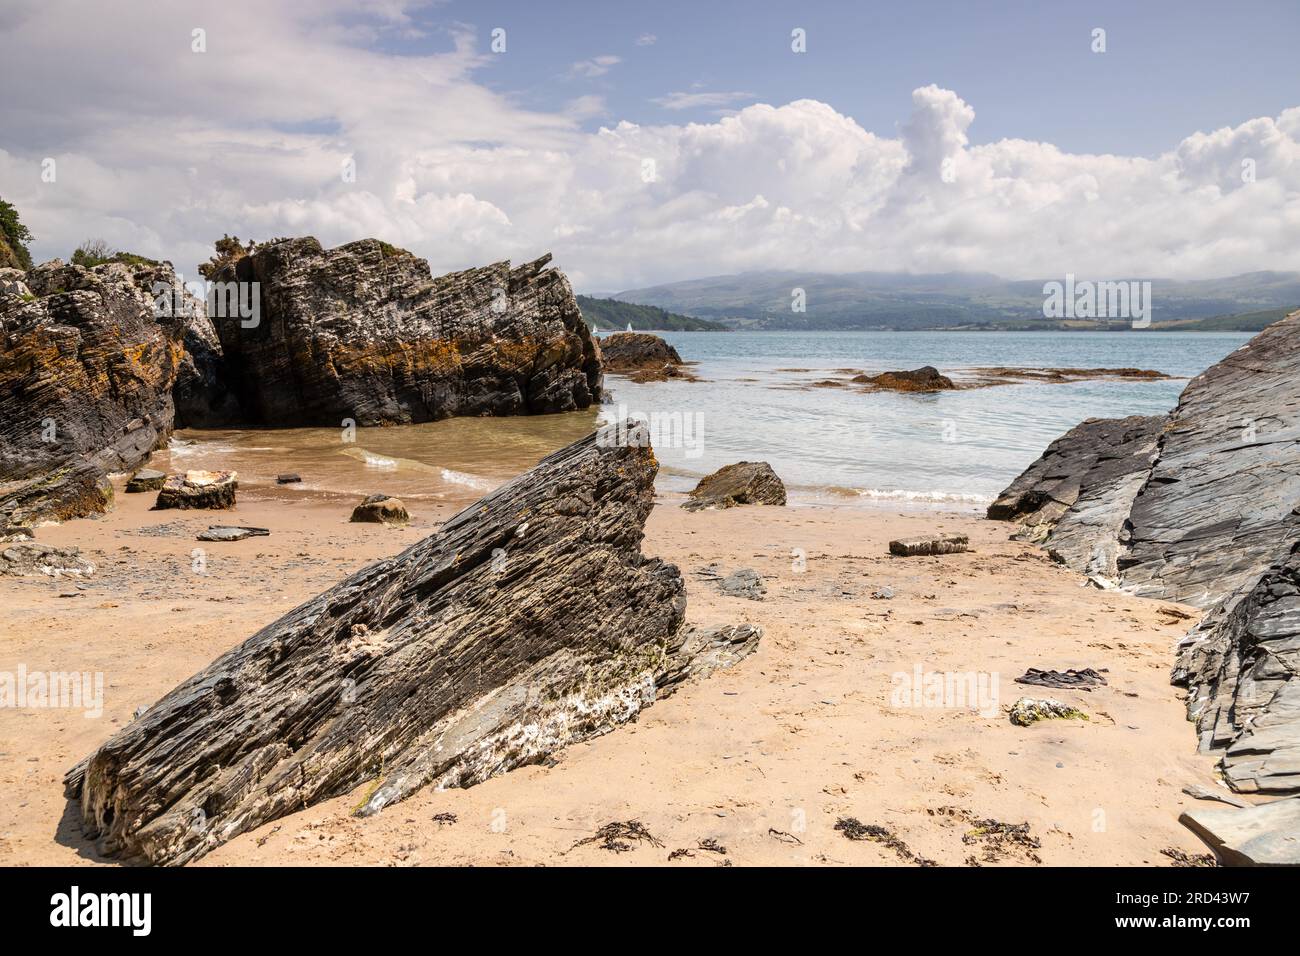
1028,67
920,137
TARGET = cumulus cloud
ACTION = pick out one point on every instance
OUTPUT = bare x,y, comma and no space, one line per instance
161,150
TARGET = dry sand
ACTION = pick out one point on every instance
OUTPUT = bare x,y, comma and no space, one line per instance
762,759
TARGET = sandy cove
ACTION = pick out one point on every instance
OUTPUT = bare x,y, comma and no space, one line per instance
763,758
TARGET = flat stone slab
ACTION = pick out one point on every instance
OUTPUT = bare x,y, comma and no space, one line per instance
944,544
146,479
231,533
1264,835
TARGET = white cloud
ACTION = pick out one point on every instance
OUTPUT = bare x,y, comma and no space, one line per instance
646,39
688,101
161,150
596,66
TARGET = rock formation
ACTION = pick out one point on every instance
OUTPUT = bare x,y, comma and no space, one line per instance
528,621
364,332
213,490
1201,507
744,483
634,351
924,379
86,375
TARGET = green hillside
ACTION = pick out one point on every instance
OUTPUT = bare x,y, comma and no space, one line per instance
610,314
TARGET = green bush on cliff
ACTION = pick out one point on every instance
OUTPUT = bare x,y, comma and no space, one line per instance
229,250
14,237
96,252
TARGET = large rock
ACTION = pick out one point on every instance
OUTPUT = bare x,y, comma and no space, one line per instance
530,620
924,379
744,483
1077,497
86,373
364,332
636,351
212,490
1200,507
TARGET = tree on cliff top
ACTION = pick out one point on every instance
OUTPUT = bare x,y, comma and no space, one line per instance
229,249
14,237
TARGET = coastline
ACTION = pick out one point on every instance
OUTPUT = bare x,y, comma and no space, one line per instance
805,731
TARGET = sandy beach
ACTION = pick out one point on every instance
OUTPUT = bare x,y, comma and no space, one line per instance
761,760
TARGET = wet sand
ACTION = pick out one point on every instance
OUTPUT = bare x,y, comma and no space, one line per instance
763,759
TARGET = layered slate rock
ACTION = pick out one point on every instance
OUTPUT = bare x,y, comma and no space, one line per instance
743,483
365,332
528,621
86,374
1202,508
1077,497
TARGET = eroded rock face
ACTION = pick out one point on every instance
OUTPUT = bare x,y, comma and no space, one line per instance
86,374
530,620
1200,507
744,483
364,332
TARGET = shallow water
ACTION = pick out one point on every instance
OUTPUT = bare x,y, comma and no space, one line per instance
949,449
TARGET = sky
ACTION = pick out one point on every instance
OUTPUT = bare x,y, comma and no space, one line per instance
648,143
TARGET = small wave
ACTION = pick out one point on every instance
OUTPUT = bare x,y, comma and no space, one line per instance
469,481
938,497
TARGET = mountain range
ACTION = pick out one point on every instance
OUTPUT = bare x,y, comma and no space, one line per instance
955,300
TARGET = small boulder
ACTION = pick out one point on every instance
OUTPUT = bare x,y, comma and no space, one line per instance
146,479
924,379
744,483
289,479
381,509
944,544
199,489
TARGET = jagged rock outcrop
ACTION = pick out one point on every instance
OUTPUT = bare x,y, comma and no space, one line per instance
528,621
1201,507
365,332
742,483
86,373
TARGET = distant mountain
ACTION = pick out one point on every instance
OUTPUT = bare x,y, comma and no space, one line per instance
885,300
607,314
